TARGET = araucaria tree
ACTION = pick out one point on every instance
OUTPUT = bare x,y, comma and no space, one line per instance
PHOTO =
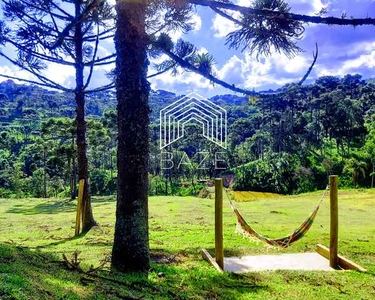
68,33
142,32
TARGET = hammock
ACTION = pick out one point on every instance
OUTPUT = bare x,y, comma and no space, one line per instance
283,242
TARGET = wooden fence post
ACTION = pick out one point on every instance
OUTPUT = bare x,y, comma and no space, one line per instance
334,227
219,249
79,206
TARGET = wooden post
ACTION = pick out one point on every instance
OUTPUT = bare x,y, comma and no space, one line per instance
79,206
333,247
219,250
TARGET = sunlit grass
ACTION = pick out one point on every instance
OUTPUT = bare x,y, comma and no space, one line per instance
179,227
244,196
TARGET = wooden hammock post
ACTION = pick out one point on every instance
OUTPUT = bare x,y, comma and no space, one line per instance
79,206
333,247
219,249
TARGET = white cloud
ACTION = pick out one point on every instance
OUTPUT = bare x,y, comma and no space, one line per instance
223,26
314,6
354,65
61,74
242,70
15,72
197,22
166,81
251,72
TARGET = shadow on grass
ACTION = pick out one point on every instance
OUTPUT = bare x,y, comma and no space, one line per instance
104,199
27,274
55,206
47,207
63,241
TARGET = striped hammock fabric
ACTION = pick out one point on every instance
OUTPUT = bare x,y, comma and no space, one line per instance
283,242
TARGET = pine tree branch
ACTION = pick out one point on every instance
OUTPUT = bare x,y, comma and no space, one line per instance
42,78
101,61
39,55
62,36
288,16
162,71
93,59
92,38
225,15
54,22
105,63
188,66
101,89
62,10
315,56
28,16
34,82
67,17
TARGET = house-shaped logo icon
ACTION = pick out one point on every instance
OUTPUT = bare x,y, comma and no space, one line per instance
193,108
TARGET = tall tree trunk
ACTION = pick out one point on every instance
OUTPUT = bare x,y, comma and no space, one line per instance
130,251
73,192
111,162
69,175
83,173
44,172
87,216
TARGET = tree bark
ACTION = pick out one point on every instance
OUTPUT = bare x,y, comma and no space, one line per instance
88,220
130,251
87,216
44,172
73,187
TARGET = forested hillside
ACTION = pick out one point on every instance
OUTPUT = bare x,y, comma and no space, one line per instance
285,143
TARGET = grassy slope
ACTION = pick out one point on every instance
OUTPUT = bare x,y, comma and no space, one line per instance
179,227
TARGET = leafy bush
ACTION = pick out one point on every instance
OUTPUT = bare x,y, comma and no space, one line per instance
190,190
5,193
274,174
101,183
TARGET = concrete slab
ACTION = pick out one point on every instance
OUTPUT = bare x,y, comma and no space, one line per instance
298,261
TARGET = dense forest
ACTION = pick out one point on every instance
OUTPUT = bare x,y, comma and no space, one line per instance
287,142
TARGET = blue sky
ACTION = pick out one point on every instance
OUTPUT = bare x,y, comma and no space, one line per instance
343,50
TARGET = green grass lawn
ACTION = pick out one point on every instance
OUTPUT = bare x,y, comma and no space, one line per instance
179,227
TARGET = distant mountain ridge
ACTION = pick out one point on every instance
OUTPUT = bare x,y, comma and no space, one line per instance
20,100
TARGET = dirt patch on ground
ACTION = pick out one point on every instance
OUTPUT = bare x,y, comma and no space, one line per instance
162,258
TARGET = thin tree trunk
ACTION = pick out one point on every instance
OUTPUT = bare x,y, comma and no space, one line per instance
130,251
111,163
73,179
87,216
88,219
166,186
44,172
69,175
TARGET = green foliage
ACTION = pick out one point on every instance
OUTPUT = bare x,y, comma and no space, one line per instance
288,144
5,193
261,34
274,174
189,190
357,168
102,183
